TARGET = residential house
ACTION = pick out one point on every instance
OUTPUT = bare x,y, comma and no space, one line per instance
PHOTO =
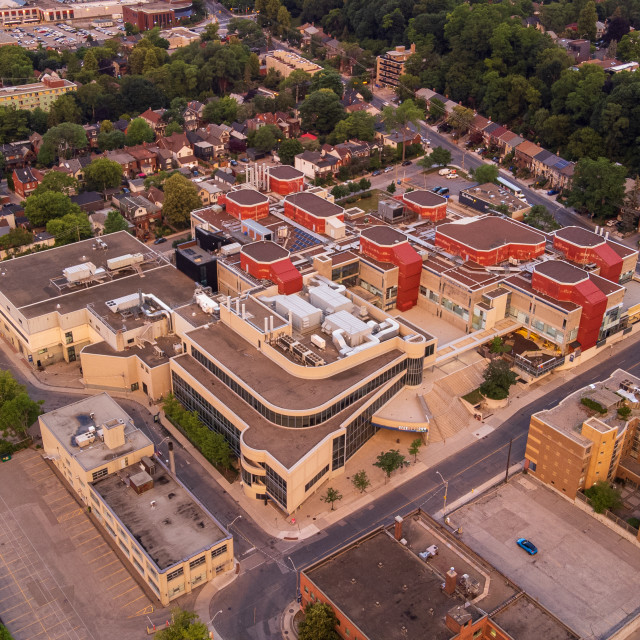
557,170
35,139
153,117
24,182
208,192
164,158
492,134
92,131
579,50
224,178
308,31
142,213
525,153
155,195
204,151
508,141
146,160
193,115
89,201
125,160
600,29
316,164
75,167
97,220
17,155
180,148
398,137
136,186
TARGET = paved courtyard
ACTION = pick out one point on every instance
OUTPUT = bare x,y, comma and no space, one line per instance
584,572
59,579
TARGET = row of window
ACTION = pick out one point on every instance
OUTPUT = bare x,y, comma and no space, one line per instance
276,486
297,421
316,478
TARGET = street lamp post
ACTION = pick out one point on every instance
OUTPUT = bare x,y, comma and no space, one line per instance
296,572
210,623
236,518
446,490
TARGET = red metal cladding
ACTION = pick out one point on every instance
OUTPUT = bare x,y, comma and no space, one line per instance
603,255
285,187
306,219
435,213
490,257
585,294
246,212
281,272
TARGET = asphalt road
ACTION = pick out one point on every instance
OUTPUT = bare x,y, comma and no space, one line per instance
253,603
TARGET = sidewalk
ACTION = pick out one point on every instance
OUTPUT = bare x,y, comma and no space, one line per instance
208,592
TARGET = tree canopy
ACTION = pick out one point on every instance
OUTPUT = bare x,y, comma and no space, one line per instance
115,222
598,187
321,111
40,208
319,623
138,132
180,199
102,174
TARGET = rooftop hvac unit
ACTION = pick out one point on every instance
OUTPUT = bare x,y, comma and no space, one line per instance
319,342
85,439
120,262
158,351
79,271
118,305
313,359
148,465
231,249
206,303
299,350
286,342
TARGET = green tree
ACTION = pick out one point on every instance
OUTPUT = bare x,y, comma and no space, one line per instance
138,132
16,238
603,497
38,120
327,79
111,140
498,378
540,218
331,496
64,109
173,127
15,65
298,81
359,125
115,222
486,173
460,119
42,207
361,481
224,110
62,141
408,84
319,623
437,110
440,157
364,184
18,414
57,181
587,21
180,199
90,62
321,111
265,138
102,174
210,32
407,113
106,126
392,188
414,448
289,149
390,461
629,47
186,626
14,123
72,227
598,187
585,142
497,345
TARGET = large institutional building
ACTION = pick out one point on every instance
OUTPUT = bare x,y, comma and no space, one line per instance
168,537
37,94
291,322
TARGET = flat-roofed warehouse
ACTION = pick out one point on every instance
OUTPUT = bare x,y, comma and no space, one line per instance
51,302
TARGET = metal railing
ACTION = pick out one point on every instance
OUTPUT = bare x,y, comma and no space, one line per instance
538,369
623,524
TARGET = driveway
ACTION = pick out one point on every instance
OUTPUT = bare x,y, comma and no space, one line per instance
584,572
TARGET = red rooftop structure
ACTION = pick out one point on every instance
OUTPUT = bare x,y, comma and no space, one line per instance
490,240
245,204
385,244
585,247
266,260
285,180
426,204
311,210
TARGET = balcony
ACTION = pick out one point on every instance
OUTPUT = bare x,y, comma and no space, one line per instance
538,365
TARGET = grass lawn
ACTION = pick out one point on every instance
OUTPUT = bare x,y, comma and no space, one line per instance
368,205
473,398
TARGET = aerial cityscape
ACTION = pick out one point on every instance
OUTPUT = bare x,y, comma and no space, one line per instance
319,320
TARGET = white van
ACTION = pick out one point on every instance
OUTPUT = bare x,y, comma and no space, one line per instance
444,172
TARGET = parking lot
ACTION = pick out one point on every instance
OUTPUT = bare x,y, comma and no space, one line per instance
59,579
59,35
584,572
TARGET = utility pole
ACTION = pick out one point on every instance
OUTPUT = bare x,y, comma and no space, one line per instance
506,473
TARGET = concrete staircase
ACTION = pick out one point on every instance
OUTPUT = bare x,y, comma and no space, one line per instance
443,400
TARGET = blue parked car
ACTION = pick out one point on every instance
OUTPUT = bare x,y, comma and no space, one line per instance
377,172
553,192
529,547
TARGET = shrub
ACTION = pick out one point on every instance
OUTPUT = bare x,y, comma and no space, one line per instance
593,405
624,412
603,496
634,522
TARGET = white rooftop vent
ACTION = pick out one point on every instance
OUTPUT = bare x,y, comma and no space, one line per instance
118,305
78,272
120,262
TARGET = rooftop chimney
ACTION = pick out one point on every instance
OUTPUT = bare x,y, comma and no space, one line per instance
397,533
450,581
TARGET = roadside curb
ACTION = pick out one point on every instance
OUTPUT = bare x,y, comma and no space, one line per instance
288,625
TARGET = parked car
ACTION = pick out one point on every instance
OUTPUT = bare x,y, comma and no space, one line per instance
552,192
406,163
495,159
528,546
443,191
244,159
387,169
233,163
377,172
159,240
481,150
436,189
444,172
